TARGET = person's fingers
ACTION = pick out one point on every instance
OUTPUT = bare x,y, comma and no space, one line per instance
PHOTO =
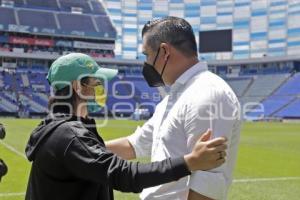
216,155
216,142
224,154
205,136
219,148
220,162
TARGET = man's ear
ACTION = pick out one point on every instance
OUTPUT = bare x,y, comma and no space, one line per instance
167,49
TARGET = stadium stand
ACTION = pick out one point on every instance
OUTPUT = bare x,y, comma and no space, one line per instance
8,102
7,16
285,99
37,19
262,86
29,91
125,94
41,4
54,28
240,84
292,110
275,103
103,23
291,87
73,16
282,103
87,6
72,22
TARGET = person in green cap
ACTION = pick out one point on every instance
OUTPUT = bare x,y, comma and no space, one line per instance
69,157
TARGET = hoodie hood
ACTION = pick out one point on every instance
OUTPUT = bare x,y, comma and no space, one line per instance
43,131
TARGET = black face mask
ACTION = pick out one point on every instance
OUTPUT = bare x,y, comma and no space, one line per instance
153,78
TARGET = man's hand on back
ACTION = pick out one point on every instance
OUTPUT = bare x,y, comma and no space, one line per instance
207,154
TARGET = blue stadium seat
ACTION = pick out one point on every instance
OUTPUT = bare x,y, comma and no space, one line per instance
291,87
239,85
7,16
105,26
48,5
37,19
33,91
283,102
291,111
274,103
8,102
76,22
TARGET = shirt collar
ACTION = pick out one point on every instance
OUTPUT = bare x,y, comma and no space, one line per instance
192,71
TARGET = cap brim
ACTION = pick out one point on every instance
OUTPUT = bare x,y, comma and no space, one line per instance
105,73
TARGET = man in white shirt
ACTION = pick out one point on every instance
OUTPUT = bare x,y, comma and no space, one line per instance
198,100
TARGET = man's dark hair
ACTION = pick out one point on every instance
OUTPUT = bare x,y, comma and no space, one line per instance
173,30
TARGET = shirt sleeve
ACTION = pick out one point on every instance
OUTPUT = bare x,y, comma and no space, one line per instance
219,113
142,138
87,159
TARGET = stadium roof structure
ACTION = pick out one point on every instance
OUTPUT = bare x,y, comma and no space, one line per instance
91,22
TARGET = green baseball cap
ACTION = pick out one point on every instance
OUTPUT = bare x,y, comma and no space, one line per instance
75,66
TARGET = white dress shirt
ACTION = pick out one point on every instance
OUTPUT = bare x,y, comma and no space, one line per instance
198,100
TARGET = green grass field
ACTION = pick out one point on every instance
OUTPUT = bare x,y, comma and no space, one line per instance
268,154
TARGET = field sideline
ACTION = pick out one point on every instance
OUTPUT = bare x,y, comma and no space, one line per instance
268,165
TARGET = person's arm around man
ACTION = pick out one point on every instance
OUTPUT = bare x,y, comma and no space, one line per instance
122,148
139,144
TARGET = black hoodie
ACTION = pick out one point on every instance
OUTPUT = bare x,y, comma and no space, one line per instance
70,161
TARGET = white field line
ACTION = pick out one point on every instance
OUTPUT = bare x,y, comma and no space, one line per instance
12,194
265,179
11,148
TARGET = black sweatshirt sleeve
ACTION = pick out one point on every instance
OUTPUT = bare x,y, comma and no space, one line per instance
88,159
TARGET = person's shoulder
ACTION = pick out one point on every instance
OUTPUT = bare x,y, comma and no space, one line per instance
206,89
72,129
210,82
203,86
207,78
